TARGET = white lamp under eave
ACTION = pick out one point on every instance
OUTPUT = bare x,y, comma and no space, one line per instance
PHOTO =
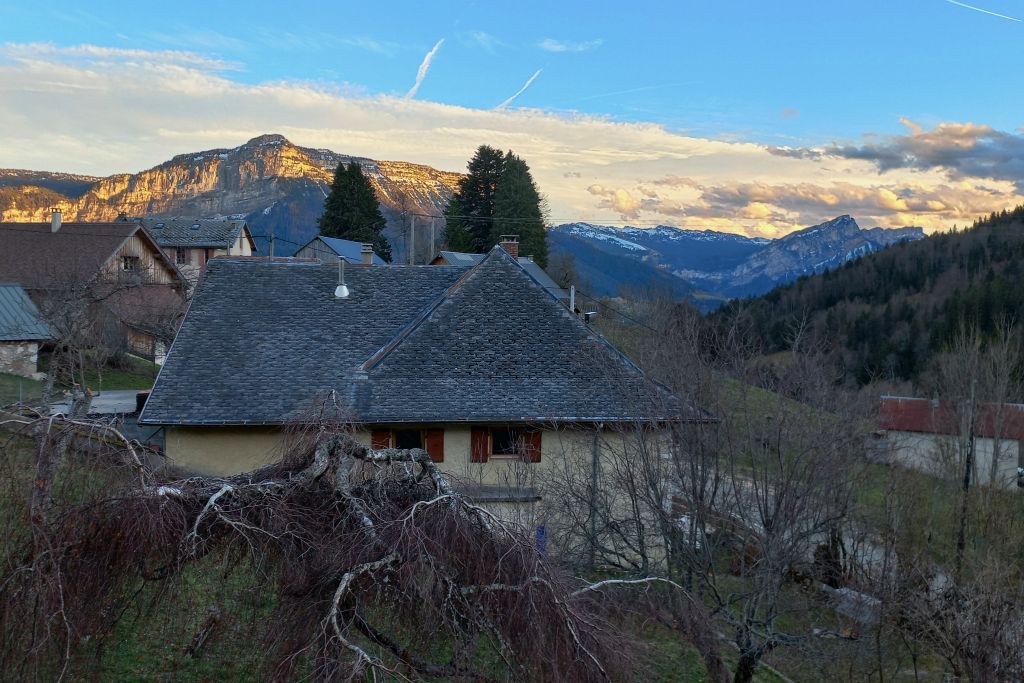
341,291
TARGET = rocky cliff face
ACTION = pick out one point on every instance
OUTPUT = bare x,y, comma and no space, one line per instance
278,187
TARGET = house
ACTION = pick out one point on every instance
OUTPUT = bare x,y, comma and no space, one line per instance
481,366
458,258
22,330
331,249
932,436
191,242
115,271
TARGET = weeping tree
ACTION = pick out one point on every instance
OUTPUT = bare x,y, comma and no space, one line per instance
372,561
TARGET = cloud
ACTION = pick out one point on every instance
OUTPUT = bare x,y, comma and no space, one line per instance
960,150
983,11
421,73
552,45
529,82
97,111
484,40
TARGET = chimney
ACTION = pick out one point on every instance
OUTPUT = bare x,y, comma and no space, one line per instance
366,254
55,220
510,243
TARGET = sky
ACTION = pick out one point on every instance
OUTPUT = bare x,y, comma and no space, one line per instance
750,117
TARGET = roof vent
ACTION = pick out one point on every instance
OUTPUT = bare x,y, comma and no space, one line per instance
195,226
341,291
159,225
55,219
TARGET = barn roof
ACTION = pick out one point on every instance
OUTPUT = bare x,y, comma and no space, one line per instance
926,416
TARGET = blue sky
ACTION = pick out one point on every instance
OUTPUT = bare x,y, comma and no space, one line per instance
801,75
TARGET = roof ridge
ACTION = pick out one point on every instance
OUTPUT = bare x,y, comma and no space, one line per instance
383,352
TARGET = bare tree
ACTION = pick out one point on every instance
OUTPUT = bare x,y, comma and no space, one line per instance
377,563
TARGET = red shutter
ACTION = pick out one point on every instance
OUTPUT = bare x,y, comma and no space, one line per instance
380,438
532,442
480,445
434,440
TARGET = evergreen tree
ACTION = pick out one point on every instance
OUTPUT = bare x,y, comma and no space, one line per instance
351,211
519,210
469,218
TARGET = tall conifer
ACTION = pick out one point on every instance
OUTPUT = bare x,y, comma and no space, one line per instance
351,211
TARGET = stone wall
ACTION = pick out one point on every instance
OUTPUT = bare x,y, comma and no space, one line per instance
20,358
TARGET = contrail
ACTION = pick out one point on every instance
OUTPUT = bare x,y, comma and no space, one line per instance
983,11
519,92
424,68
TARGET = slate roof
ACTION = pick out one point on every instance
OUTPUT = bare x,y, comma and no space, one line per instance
458,258
349,250
19,318
181,232
37,258
429,344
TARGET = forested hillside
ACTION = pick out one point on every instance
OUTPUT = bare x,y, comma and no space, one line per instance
888,313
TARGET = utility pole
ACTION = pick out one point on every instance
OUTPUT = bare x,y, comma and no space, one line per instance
412,239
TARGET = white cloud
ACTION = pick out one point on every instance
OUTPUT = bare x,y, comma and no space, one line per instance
421,73
97,110
552,45
529,82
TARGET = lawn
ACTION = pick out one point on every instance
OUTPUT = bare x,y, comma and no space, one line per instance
14,389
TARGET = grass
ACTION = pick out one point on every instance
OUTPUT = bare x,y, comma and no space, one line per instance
13,388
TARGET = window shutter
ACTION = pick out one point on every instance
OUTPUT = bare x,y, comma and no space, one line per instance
434,442
479,444
532,442
380,438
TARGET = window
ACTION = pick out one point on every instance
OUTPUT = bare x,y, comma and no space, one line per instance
408,438
506,441
129,264
430,440
181,256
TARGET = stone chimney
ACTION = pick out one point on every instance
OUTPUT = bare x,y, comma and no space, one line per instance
366,254
510,243
55,220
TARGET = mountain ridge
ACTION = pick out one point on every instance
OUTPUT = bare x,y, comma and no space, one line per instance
277,186
716,265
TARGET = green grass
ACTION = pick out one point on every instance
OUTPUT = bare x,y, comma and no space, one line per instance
140,374
13,386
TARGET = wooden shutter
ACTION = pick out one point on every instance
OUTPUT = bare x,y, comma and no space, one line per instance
380,438
433,439
532,442
480,444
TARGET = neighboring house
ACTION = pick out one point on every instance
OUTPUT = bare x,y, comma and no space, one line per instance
22,330
932,436
191,242
132,293
458,258
483,367
332,249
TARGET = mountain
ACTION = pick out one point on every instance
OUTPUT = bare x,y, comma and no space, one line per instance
709,266
887,314
278,187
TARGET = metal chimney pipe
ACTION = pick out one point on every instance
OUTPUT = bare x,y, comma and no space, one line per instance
55,220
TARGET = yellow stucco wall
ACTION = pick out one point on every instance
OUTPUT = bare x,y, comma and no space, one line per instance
230,450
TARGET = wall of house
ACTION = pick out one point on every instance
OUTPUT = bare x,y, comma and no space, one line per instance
149,263
317,249
222,450
939,455
20,358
